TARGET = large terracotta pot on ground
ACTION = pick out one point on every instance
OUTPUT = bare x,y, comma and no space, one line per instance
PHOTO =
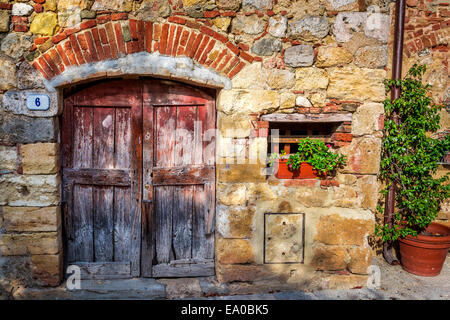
424,255
306,171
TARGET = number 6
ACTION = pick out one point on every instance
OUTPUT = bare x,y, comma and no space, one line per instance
38,102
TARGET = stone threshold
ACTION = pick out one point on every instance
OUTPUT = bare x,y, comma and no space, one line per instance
153,289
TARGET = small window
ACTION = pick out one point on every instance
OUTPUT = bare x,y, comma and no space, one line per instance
290,133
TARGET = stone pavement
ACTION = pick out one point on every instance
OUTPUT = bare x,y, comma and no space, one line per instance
395,284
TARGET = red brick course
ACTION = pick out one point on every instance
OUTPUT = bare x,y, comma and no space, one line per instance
103,38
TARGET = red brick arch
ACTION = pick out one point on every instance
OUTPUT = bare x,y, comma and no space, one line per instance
107,38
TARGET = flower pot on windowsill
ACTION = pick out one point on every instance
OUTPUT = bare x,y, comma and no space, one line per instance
306,171
425,254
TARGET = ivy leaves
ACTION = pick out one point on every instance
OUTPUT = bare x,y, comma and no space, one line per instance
410,157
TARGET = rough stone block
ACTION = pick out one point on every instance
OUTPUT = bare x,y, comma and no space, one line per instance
299,56
363,156
252,76
342,5
310,28
240,173
369,189
20,244
310,197
48,269
360,260
21,9
29,190
16,102
231,194
357,84
234,251
288,101
377,26
248,24
119,5
329,258
8,158
244,273
8,74
280,79
345,197
277,26
332,56
336,230
258,4
240,102
365,119
311,79
64,5
223,23
40,158
347,24
260,192
229,4
31,219
267,46
234,127
23,129
235,222
337,282
28,77
44,23
4,21
16,45
371,57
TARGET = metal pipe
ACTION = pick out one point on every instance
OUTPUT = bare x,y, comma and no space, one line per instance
395,94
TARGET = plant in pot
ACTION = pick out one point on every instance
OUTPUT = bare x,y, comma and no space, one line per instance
410,159
312,160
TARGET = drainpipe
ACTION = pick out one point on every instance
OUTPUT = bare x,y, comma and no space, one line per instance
395,94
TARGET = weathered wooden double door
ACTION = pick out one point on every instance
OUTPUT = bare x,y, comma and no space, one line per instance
139,179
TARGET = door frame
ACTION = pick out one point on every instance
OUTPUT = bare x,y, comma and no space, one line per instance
207,92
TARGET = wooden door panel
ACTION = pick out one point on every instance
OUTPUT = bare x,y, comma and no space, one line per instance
182,222
123,149
123,224
163,218
203,217
180,178
102,166
184,141
165,133
103,223
187,175
83,230
82,137
104,132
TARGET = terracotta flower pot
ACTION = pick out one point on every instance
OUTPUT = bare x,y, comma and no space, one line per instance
306,171
424,255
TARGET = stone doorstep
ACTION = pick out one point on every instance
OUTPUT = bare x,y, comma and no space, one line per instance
139,288
151,289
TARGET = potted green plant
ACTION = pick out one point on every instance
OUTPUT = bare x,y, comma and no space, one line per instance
312,160
410,159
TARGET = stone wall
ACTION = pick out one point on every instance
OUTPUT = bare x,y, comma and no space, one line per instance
311,58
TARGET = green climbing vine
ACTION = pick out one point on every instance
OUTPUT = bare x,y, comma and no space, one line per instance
410,157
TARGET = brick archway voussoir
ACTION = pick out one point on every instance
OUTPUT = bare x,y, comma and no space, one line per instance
94,42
